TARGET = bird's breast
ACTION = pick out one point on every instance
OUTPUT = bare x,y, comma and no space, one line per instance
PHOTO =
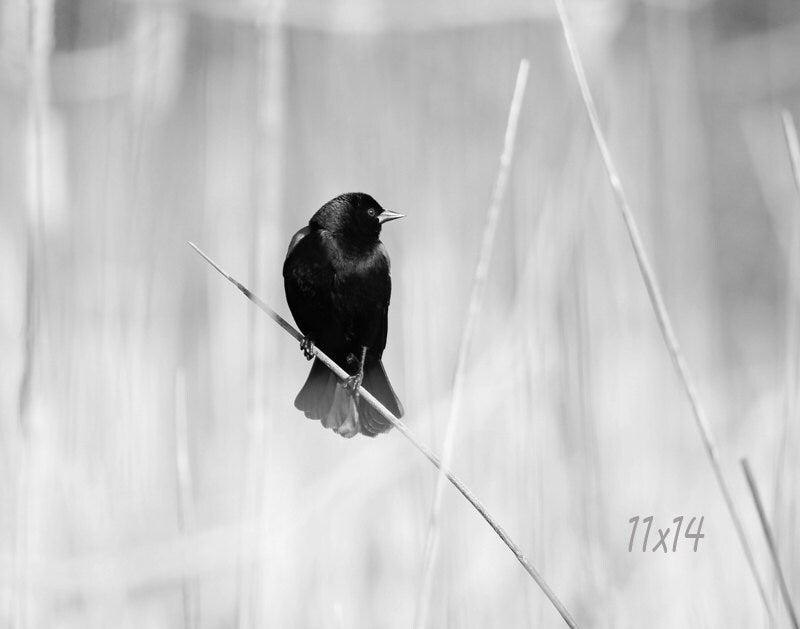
360,260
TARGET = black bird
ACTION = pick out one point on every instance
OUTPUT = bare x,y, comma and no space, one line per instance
337,282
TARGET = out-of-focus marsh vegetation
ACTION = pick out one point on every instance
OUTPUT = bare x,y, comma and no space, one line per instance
153,471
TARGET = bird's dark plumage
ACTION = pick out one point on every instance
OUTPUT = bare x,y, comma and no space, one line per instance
337,282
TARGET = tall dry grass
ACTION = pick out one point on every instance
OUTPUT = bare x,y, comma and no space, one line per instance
162,477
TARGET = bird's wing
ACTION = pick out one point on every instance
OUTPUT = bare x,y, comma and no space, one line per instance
382,286
383,330
308,275
301,233
383,327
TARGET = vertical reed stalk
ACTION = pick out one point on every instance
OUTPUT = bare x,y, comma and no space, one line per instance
773,551
657,300
792,357
473,311
185,486
40,22
267,197
792,330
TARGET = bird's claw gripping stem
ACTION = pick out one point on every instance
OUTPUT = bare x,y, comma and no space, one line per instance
353,382
307,346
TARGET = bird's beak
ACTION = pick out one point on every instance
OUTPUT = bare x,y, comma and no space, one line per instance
388,215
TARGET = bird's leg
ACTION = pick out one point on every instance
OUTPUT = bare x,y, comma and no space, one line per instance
353,382
307,347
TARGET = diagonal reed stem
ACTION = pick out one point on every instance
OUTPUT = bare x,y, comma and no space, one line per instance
790,133
473,311
406,432
656,299
751,482
792,355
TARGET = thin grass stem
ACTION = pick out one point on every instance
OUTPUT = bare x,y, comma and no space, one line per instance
473,311
406,432
267,192
793,280
657,300
185,498
773,551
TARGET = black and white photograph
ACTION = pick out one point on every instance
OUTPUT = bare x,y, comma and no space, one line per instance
360,314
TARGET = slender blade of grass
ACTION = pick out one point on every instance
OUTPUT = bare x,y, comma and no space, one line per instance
406,432
267,191
790,133
656,298
185,498
773,551
473,311
792,328
792,358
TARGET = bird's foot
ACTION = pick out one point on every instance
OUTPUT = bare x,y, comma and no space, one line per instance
353,382
307,347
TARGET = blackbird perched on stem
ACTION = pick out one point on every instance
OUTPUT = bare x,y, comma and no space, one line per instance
337,282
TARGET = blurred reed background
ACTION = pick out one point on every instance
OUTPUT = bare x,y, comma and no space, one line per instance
153,471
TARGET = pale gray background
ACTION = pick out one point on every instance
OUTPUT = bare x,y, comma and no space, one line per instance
153,472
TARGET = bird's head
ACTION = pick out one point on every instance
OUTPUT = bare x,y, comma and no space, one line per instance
355,216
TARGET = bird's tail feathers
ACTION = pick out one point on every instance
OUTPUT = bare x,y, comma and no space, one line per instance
316,396
324,397
377,382
342,417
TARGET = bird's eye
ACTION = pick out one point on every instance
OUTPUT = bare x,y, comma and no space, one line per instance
371,212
